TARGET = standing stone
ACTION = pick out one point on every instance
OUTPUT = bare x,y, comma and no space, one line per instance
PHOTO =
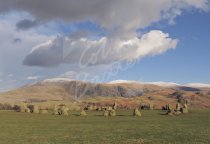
114,107
106,113
169,107
170,110
64,111
83,113
23,108
136,112
55,110
35,109
177,107
27,110
185,108
112,113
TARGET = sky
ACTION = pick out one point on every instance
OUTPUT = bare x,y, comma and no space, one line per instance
104,40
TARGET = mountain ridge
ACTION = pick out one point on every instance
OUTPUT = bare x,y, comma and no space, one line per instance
62,89
159,83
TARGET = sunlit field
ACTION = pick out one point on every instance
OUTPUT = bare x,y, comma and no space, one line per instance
152,127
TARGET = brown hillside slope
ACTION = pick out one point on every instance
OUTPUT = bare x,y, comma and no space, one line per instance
123,93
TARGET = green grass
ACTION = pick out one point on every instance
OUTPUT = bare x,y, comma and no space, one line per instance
23,128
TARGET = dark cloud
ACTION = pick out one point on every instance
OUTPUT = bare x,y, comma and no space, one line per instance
124,14
26,24
51,55
17,40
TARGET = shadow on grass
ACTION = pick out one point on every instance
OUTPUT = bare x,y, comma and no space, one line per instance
163,113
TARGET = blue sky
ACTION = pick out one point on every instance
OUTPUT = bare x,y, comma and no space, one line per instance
189,62
166,41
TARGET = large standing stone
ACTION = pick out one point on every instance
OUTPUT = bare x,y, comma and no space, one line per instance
136,112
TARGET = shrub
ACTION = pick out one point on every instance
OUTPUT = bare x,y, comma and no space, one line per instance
146,106
164,108
95,107
43,111
99,109
6,106
90,107
103,108
77,108
34,108
16,108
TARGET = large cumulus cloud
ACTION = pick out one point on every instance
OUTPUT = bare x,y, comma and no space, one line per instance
103,51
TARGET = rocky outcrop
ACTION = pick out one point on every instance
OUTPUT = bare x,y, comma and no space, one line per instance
84,89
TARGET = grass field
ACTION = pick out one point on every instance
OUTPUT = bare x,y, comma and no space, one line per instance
23,128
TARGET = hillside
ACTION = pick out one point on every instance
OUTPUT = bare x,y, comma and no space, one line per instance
125,93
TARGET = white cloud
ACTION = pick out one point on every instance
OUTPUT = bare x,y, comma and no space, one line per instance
95,52
69,74
13,53
33,77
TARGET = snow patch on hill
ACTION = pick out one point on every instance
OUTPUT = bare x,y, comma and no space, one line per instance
122,81
198,85
58,80
160,83
164,84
